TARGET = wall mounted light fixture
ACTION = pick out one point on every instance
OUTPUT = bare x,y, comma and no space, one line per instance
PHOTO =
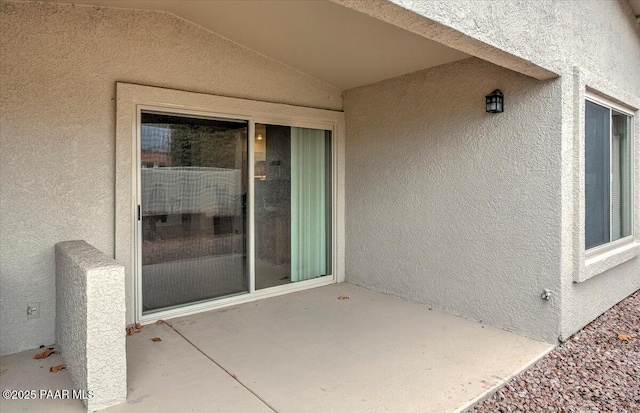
495,102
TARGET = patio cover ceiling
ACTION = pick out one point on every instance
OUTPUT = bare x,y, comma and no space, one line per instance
340,46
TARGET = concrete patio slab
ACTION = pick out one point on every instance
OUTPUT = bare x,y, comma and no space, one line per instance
165,376
173,376
301,352
21,372
311,352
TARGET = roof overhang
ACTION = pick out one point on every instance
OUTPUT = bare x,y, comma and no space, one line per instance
338,45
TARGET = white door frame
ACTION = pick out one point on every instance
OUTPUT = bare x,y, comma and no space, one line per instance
132,99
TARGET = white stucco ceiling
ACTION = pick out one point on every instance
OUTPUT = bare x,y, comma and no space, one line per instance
339,46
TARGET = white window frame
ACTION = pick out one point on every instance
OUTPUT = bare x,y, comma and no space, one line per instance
132,99
611,245
604,257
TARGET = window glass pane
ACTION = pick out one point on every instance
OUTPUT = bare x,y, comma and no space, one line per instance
597,175
272,193
621,176
292,204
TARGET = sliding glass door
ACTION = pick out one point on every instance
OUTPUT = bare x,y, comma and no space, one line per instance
193,188
197,241
292,204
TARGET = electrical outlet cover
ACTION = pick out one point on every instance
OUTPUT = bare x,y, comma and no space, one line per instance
33,310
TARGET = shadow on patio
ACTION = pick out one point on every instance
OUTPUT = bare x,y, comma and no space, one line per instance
302,352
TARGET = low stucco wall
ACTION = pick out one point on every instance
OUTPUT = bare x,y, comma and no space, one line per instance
453,207
90,322
58,73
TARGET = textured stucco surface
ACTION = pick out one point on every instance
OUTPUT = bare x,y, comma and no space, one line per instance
58,75
453,207
57,92
90,321
549,34
590,44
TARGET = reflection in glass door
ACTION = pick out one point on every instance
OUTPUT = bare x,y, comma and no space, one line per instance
193,199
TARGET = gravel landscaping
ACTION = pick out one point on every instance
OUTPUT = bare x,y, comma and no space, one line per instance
596,370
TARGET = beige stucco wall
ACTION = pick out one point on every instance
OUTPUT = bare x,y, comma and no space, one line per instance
592,284
598,40
453,207
524,28
58,71
598,35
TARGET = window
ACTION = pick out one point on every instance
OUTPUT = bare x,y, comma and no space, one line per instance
608,173
292,181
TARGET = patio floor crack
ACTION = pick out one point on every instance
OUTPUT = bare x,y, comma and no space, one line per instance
225,370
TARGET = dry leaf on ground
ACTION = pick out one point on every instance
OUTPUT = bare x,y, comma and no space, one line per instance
343,297
55,369
138,326
234,376
155,339
130,331
160,321
623,337
45,353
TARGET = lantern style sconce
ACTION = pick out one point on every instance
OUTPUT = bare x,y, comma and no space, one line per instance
495,102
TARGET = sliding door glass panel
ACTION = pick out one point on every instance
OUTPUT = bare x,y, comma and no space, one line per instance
309,206
193,185
292,204
272,194
597,186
